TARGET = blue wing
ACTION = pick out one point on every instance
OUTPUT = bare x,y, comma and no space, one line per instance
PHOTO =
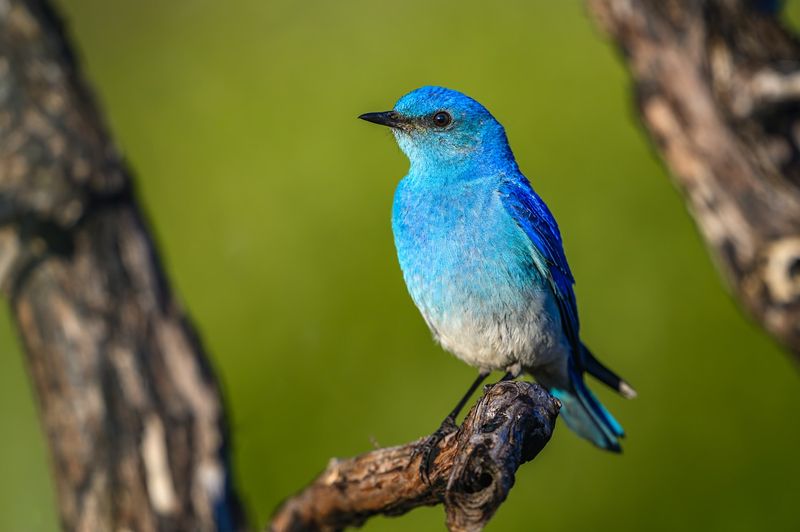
535,219
581,409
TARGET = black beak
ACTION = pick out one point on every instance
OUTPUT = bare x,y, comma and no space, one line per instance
387,118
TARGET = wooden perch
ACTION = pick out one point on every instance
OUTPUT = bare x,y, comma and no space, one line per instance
717,85
130,407
472,473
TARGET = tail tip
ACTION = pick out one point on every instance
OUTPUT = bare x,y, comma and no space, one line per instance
614,447
627,391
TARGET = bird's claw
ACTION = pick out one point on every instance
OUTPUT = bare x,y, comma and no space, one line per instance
429,448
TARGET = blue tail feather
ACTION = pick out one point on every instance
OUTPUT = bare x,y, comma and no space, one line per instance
584,414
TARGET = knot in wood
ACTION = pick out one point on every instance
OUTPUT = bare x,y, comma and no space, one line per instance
507,428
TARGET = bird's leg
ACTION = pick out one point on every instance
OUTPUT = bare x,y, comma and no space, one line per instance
427,449
512,372
451,417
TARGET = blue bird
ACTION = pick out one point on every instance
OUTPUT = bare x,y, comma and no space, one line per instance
483,259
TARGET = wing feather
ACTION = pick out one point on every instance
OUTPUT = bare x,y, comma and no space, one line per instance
538,223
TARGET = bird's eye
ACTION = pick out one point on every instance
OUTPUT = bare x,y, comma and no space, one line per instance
442,119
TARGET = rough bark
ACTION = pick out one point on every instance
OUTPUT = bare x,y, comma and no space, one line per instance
471,474
131,410
717,85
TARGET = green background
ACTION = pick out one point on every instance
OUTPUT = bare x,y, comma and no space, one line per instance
271,203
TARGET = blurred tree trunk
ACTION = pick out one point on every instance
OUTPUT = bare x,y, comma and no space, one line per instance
130,407
717,85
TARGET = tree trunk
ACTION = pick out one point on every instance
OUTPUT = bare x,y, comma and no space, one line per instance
717,85
130,406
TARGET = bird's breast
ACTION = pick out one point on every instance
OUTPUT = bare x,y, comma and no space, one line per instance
466,263
469,269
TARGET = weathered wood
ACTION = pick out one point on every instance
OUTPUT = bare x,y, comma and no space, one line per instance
132,412
717,85
471,474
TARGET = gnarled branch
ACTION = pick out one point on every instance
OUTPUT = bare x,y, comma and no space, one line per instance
718,87
472,473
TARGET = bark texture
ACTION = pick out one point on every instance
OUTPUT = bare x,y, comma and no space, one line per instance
131,410
717,85
471,474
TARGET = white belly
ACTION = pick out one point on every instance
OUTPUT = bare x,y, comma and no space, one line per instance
531,335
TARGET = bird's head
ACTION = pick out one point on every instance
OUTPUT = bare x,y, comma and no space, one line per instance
440,128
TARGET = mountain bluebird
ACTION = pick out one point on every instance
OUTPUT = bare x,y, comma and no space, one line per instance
483,259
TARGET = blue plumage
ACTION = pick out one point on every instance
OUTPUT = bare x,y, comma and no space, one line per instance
483,258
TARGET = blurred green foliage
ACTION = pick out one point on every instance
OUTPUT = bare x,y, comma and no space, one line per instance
271,204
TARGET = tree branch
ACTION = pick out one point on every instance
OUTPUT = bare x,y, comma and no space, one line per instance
717,85
132,412
472,473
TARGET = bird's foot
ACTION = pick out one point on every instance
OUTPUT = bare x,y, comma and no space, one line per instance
429,448
512,372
